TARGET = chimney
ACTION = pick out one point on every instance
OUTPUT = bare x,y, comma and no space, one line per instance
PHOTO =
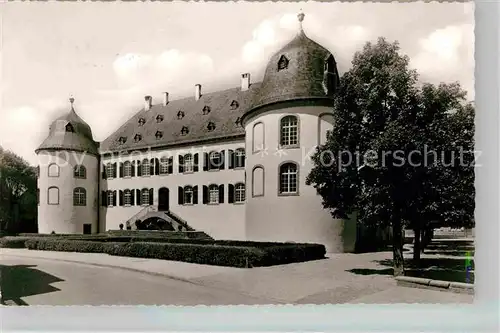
245,81
165,98
148,102
197,91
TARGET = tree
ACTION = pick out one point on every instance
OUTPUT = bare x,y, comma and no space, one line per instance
18,193
384,121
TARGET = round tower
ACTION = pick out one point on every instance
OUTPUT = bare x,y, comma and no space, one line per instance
290,115
68,177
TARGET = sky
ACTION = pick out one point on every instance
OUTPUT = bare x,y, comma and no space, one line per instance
108,56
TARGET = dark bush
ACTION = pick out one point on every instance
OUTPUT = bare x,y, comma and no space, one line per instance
13,242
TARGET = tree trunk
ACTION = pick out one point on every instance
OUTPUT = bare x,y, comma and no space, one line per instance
397,246
417,244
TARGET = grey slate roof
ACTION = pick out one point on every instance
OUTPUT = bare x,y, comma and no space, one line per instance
221,114
304,76
80,139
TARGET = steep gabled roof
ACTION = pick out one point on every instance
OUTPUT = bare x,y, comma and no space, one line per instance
221,113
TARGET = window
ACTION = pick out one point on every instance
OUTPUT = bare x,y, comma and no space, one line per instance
239,193
53,195
215,160
122,140
80,172
164,165
127,198
289,131
258,137
206,109
180,114
258,181
234,105
144,196
211,126
282,63
137,137
142,121
110,199
239,158
188,163
79,197
184,130
110,170
288,176
127,169
159,118
213,194
188,195
53,170
159,135
329,64
69,128
145,167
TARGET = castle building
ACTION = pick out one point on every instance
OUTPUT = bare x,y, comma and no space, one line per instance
231,163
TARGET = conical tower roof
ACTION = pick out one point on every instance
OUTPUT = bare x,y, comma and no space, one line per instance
70,132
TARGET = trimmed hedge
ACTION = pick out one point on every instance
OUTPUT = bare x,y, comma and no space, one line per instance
160,234
210,254
14,242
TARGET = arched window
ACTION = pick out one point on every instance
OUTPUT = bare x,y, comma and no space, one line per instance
145,167
145,196
213,194
53,196
111,199
325,125
127,169
53,170
283,63
164,163
239,193
79,197
110,170
258,181
239,158
258,137
289,131
188,195
80,171
215,160
188,163
69,128
127,197
288,178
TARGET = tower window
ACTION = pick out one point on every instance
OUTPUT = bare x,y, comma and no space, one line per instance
53,196
283,63
53,170
289,131
69,128
288,178
80,171
79,197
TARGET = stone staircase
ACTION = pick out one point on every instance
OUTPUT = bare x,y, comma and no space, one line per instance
148,212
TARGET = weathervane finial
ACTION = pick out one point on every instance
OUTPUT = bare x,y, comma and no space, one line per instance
71,100
301,16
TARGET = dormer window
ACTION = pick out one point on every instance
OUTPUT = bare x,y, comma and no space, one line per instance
69,128
206,109
180,114
158,135
234,105
159,118
211,126
122,140
142,121
184,130
282,63
137,137
238,121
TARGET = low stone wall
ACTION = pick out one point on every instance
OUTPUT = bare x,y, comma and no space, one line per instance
458,287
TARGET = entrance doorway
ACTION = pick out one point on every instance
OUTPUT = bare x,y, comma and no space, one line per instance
163,199
87,229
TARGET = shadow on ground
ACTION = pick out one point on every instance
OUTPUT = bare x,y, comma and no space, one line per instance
20,281
434,268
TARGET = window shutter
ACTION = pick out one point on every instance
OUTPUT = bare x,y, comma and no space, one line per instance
205,161
115,173
205,194
114,198
230,193
121,170
231,159
181,164
121,198
138,198
195,168
222,160
243,158
151,199
104,172
170,165
104,198
180,195
195,195
221,193
157,166
139,171
152,167
132,197
132,169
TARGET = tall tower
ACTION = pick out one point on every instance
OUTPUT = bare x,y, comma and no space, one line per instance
290,116
68,177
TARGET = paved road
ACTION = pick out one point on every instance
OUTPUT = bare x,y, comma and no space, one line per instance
28,281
